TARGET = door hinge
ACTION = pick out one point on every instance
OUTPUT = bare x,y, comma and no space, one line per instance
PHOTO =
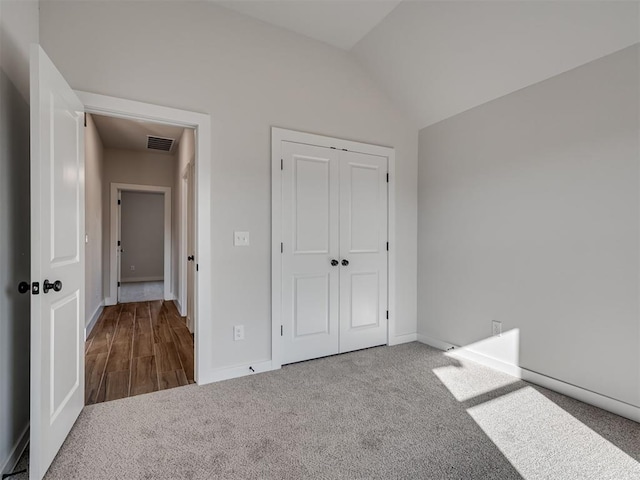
118,283
281,164
35,288
387,246
118,242
345,150
119,201
281,247
333,148
387,178
85,119
197,267
281,330
387,314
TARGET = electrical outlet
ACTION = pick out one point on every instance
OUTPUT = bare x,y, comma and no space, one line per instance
132,268
241,239
238,332
497,328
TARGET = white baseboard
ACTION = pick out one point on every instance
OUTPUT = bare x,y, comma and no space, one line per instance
435,343
612,405
141,279
235,372
18,449
176,302
110,301
94,319
400,339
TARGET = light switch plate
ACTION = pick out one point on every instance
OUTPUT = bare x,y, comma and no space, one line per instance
241,239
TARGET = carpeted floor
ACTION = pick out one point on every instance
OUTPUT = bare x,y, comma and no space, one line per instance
141,292
404,412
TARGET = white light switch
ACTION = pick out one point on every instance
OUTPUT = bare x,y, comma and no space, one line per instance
241,239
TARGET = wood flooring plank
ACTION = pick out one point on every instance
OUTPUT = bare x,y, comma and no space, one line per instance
155,308
125,327
185,353
116,385
183,335
142,326
143,345
173,379
167,359
119,356
100,344
93,371
142,310
144,377
162,334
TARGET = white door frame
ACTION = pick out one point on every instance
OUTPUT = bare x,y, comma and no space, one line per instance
201,123
116,217
278,135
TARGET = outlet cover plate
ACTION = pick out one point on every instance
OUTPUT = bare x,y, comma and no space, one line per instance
238,332
241,239
496,328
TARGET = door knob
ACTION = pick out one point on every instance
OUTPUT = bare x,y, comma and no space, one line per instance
24,287
345,262
55,286
334,262
191,258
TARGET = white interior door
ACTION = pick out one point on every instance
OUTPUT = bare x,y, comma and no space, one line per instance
119,248
310,188
191,247
363,251
57,254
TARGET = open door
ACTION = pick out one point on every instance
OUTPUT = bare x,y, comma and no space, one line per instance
57,261
191,248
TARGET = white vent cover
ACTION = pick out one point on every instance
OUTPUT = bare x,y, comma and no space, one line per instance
159,143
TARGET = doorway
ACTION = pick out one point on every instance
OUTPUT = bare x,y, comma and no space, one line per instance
140,342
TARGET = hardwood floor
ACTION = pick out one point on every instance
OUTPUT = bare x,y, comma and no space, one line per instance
137,348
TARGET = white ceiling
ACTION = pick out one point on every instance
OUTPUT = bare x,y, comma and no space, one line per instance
439,58
132,134
341,23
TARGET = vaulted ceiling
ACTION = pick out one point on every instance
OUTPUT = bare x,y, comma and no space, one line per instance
440,58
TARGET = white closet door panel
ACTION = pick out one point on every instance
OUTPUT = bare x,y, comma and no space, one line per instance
363,244
310,196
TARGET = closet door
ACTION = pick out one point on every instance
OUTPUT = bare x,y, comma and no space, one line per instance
310,212
363,251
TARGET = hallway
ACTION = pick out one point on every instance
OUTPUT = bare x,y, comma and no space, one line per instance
137,348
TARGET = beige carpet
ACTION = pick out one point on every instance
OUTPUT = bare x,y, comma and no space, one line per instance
405,412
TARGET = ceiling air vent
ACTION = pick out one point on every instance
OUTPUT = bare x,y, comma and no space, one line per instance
159,143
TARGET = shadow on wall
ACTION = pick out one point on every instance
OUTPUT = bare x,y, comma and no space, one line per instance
526,421
15,262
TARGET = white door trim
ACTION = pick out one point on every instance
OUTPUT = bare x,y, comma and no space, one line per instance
119,107
278,135
116,189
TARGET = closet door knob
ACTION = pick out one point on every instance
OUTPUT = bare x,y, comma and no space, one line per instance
55,286
345,262
334,262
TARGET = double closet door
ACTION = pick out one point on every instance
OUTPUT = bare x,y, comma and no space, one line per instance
334,251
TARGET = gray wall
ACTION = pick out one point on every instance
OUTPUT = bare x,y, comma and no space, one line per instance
133,167
249,76
94,179
529,214
18,28
142,234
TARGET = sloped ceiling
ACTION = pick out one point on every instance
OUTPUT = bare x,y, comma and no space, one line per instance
341,23
439,58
